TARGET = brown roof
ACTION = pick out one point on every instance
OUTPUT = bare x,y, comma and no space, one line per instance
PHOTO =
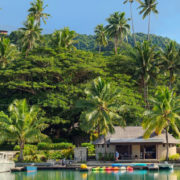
134,134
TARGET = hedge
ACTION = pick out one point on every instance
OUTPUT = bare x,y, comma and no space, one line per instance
91,148
55,146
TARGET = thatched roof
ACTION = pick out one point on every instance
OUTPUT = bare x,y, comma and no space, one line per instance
134,134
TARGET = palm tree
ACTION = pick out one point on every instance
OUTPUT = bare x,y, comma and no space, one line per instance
30,34
100,108
147,7
130,3
101,38
145,65
8,51
64,38
118,28
170,61
23,125
36,10
164,114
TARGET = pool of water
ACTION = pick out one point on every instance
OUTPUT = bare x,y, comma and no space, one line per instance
76,175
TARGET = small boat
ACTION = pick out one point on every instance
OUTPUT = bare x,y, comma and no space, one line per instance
129,168
115,168
123,168
96,169
102,168
116,165
166,165
31,168
109,169
6,162
153,167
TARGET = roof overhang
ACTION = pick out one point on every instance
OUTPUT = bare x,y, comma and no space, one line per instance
126,140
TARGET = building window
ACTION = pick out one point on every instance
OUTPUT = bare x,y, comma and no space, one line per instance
102,145
107,145
98,145
163,145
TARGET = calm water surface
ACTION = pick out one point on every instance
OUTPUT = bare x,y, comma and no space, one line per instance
75,175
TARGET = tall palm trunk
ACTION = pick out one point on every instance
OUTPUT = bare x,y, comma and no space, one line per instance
132,20
21,157
99,49
145,92
149,24
171,79
167,145
116,45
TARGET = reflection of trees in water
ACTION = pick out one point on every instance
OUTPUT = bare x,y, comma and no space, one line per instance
7,176
163,175
76,175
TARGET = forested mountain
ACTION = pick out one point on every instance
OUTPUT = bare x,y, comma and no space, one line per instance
88,42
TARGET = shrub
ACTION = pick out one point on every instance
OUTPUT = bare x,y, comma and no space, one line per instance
91,148
55,146
67,153
55,155
174,157
29,149
100,157
43,158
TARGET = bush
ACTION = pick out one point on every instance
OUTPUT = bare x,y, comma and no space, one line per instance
67,153
28,149
43,159
106,157
54,146
174,157
55,155
91,148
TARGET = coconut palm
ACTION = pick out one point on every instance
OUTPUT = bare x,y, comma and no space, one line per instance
8,51
23,125
147,7
30,34
170,61
118,28
164,114
101,38
64,38
37,11
145,63
130,3
100,108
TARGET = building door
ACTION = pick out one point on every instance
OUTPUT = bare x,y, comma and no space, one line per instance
125,151
148,151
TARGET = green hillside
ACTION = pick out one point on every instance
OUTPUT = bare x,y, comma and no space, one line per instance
87,42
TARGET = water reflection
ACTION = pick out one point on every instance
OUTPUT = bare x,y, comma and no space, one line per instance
75,175
7,176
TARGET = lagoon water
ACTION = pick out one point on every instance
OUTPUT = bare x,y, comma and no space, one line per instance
75,175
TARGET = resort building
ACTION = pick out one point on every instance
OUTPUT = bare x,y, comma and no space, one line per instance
131,145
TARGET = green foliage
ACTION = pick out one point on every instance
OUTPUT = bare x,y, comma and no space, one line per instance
54,146
106,157
90,146
174,157
28,149
56,155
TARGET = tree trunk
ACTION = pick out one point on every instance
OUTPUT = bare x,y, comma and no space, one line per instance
167,145
115,45
149,24
21,157
171,79
134,36
145,93
99,49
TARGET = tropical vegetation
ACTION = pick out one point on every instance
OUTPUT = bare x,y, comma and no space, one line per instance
79,86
